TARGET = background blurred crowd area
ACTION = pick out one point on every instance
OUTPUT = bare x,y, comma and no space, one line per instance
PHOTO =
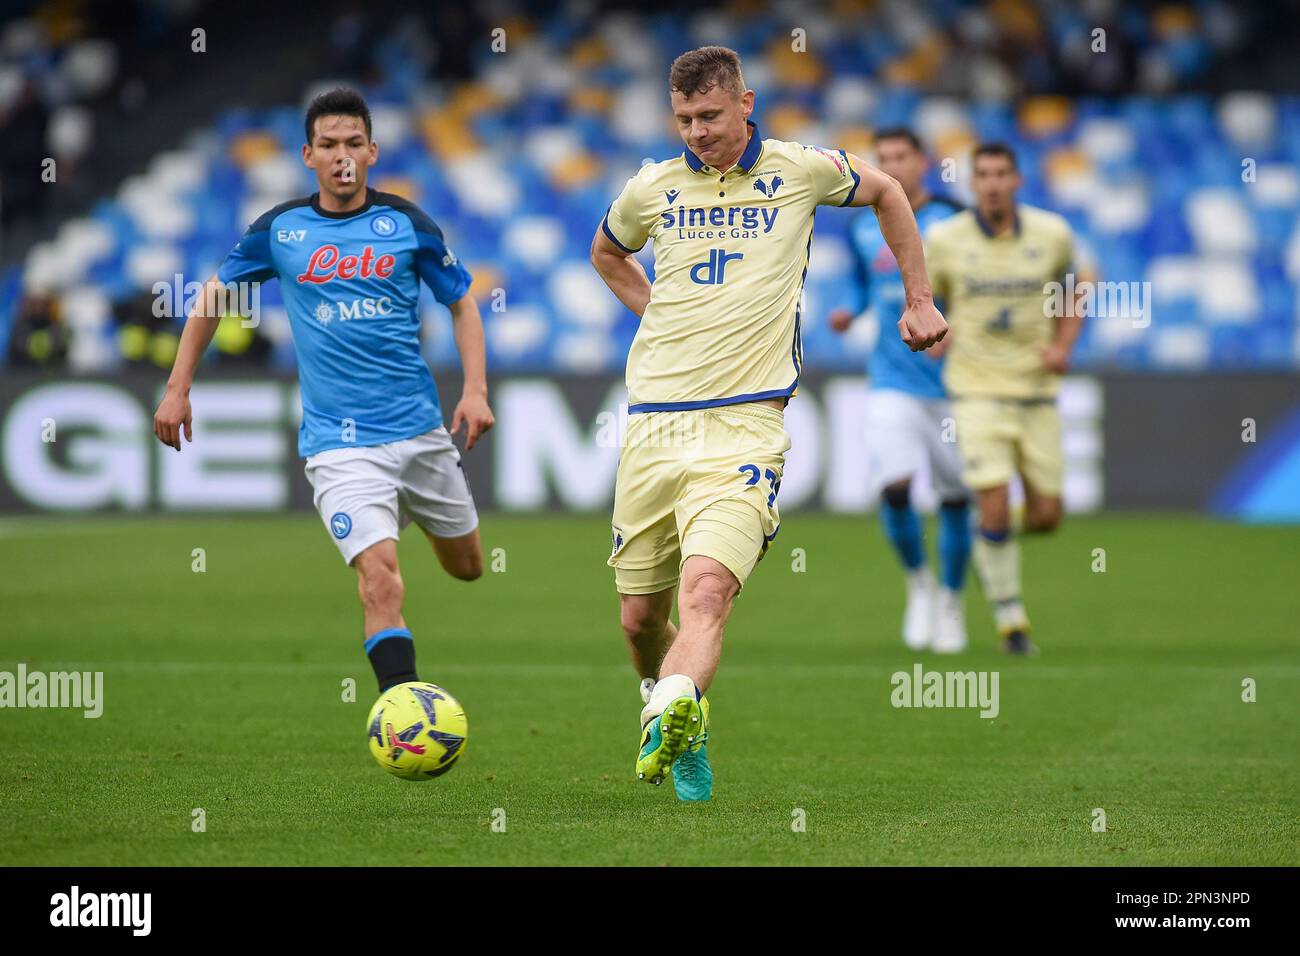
1167,133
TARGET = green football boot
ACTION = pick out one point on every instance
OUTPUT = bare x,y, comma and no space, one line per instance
692,775
667,736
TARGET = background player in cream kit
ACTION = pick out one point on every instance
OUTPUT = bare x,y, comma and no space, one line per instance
716,357
994,267
908,415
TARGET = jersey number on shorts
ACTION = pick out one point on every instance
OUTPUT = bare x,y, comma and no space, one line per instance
774,482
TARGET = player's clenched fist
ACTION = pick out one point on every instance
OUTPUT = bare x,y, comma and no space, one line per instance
922,326
173,413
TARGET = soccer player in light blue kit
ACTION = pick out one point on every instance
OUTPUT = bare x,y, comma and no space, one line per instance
909,420
350,262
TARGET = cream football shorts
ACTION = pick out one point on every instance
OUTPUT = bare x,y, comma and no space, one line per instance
700,482
1001,437
371,492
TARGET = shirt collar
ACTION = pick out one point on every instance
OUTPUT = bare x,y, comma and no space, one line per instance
328,214
987,229
748,159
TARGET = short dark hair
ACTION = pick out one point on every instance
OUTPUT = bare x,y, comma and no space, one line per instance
900,132
995,149
340,101
698,71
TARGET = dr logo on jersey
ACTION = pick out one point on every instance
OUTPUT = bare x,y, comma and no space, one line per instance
712,271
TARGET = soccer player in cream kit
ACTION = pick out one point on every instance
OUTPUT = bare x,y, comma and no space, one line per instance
714,361
994,267
350,262
908,417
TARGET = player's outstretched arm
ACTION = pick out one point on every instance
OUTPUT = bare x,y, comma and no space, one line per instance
622,273
921,325
174,410
472,409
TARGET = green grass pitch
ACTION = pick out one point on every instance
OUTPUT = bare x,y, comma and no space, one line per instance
223,692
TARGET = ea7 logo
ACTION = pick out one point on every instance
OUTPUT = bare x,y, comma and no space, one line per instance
291,235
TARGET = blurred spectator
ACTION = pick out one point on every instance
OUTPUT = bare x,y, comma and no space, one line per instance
517,150
145,339
38,338
24,120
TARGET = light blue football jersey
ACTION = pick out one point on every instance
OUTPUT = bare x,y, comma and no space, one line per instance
351,286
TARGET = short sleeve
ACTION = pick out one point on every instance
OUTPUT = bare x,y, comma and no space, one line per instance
626,223
250,259
834,180
438,266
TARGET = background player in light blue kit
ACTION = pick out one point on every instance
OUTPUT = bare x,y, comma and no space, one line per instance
909,420
350,262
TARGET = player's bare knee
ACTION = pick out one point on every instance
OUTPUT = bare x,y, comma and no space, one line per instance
995,522
897,495
640,620
994,510
462,557
708,594
468,567
1044,519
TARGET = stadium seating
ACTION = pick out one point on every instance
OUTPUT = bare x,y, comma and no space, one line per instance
1196,195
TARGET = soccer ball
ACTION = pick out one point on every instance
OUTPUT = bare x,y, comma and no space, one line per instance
417,730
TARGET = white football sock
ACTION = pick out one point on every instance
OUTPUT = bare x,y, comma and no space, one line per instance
998,564
667,690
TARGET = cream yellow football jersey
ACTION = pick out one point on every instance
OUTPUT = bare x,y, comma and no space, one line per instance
730,257
995,294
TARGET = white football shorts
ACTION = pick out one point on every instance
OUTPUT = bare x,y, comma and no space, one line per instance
369,493
907,433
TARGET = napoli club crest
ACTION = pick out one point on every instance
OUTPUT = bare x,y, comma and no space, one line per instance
383,226
341,525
